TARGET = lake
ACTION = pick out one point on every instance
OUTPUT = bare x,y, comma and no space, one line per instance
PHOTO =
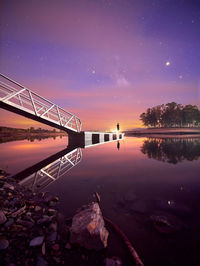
149,187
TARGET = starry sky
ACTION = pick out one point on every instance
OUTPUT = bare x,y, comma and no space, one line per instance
106,61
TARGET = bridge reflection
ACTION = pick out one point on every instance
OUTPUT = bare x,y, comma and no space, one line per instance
52,171
39,176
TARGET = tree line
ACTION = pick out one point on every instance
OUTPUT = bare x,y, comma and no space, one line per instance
171,115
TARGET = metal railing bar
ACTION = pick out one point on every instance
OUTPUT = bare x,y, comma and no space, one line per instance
6,86
11,80
11,95
32,102
47,111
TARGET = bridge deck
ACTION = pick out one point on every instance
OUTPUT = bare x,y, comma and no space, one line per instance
18,99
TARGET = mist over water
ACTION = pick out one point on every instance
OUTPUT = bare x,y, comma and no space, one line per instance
143,183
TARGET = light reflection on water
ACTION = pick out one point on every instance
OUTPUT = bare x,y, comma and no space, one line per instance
133,188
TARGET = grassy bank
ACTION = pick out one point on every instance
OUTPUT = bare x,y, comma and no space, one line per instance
166,131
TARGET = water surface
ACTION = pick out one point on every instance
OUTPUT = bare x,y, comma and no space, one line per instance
142,179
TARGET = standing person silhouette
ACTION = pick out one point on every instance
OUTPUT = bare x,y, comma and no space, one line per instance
117,126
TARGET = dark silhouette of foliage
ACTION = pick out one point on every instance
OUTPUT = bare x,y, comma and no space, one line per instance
171,115
172,150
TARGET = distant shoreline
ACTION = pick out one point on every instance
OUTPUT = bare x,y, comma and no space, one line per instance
31,136
165,131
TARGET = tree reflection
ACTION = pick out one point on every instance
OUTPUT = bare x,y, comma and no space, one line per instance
172,150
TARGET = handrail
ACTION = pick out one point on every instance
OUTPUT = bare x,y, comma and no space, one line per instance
35,104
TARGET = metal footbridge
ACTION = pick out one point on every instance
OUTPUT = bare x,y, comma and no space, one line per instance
20,100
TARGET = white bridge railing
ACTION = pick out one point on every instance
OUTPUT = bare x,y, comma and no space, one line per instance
16,95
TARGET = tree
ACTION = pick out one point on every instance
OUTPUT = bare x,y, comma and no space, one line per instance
171,115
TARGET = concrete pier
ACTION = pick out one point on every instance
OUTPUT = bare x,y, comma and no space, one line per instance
90,138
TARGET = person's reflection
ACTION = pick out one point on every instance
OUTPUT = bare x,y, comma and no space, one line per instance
118,145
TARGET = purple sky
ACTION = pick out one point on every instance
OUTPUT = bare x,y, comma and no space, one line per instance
103,60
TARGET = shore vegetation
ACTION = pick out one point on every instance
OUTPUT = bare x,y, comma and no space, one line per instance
171,115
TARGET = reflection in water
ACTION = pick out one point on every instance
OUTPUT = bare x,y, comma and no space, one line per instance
52,171
118,145
136,193
40,175
30,138
172,150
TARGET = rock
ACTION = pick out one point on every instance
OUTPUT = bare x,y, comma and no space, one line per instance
37,241
57,260
68,246
43,248
56,247
14,202
52,203
9,223
44,219
37,208
3,243
88,229
166,223
6,185
52,237
25,223
3,218
53,226
18,212
52,211
41,262
48,197
113,261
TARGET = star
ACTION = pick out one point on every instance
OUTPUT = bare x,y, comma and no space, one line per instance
168,63
93,71
180,76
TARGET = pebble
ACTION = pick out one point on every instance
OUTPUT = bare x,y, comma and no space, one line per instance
43,248
37,208
56,247
68,246
41,262
44,219
3,218
53,226
52,237
52,211
9,223
3,243
113,262
25,223
37,241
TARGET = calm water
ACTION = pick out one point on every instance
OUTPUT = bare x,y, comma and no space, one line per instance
145,178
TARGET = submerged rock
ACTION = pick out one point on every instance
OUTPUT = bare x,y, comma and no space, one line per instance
88,228
166,223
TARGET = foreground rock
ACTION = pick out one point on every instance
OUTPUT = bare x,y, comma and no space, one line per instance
88,228
32,232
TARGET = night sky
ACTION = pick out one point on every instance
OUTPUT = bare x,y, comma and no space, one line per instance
104,60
